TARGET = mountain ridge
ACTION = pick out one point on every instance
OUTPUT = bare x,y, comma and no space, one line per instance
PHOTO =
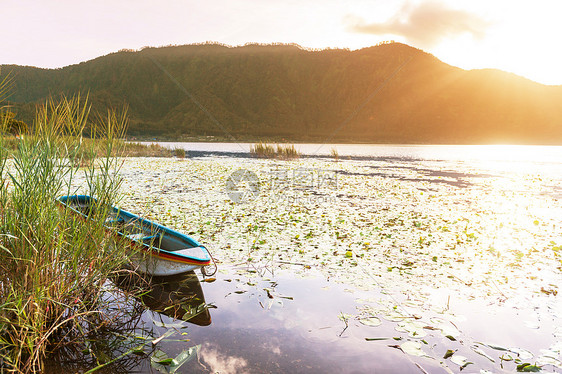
386,93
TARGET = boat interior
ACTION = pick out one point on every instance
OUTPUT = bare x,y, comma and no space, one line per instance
136,229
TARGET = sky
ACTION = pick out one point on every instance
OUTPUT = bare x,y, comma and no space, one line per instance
522,37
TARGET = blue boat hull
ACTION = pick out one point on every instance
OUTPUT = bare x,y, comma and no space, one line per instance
156,249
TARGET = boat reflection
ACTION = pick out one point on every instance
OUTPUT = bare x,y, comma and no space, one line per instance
177,296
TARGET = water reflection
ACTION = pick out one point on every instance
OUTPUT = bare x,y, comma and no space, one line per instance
179,296
109,340
131,337
278,323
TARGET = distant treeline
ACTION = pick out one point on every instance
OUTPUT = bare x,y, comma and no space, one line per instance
284,91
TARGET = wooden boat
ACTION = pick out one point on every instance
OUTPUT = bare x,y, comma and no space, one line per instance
157,250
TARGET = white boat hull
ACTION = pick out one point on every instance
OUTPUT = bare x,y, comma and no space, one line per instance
159,267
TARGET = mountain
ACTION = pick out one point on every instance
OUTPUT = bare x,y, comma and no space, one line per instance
386,93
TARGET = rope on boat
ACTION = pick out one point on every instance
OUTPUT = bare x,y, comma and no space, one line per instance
204,268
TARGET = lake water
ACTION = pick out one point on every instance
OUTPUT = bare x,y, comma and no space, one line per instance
430,152
496,157
430,259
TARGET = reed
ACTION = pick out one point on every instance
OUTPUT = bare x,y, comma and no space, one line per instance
53,266
179,152
92,147
132,149
263,150
334,153
283,151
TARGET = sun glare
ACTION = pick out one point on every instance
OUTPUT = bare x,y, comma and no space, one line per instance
516,41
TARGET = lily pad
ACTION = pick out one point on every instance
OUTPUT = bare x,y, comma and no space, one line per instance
413,328
413,348
460,360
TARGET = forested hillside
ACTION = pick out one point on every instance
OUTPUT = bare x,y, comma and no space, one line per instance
387,93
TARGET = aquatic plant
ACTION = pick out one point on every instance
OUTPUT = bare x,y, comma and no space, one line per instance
287,151
53,266
334,153
262,150
179,152
284,151
135,149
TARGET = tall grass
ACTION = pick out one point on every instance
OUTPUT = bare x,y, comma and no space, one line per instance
284,151
263,150
53,266
179,152
335,155
92,148
132,149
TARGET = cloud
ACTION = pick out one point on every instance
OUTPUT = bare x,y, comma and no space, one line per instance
222,363
425,24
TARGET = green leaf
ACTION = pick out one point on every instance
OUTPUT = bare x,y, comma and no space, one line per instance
449,353
528,368
166,361
5,249
375,339
159,361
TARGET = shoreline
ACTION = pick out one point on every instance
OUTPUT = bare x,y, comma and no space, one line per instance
226,140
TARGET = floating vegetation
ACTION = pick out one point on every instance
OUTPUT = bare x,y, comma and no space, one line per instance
426,242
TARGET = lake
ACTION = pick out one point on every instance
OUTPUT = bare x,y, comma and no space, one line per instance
398,259
507,157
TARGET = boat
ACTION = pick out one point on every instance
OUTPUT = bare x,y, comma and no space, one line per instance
155,249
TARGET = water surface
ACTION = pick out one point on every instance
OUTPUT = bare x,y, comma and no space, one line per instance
444,248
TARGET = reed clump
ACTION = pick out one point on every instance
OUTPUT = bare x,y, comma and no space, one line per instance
335,155
179,152
135,149
92,148
282,151
54,266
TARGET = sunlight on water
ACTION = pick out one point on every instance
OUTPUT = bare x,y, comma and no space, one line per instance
500,157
